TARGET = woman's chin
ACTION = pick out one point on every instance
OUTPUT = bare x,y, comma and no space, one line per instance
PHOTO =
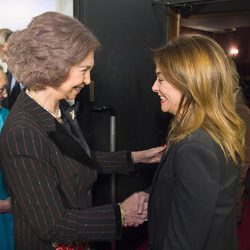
164,109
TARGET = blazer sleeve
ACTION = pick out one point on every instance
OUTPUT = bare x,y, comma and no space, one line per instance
198,177
113,162
33,184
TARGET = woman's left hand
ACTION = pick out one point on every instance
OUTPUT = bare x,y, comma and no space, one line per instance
152,155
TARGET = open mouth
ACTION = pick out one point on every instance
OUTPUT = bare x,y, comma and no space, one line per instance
78,89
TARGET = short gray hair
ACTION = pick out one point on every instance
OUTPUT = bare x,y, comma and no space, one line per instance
42,54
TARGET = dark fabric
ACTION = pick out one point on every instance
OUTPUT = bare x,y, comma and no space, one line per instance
244,227
192,203
50,183
71,124
244,113
12,94
107,162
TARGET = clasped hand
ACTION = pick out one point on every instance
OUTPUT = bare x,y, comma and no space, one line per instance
135,209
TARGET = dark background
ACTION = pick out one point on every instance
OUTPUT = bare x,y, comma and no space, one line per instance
123,77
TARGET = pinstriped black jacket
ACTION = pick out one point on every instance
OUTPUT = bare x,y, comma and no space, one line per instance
50,177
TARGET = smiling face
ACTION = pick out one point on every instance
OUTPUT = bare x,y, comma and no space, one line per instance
170,97
79,76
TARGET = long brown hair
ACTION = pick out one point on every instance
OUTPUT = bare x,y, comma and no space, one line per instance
198,67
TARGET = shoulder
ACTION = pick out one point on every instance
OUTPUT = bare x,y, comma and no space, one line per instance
19,123
199,147
198,153
199,138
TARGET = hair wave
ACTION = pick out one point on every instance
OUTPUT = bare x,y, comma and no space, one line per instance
198,67
42,54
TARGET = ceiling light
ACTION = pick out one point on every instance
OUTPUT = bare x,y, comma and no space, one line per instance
233,51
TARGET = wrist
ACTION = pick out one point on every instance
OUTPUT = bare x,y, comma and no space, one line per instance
5,206
135,156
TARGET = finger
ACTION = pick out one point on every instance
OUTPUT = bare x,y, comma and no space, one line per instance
142,199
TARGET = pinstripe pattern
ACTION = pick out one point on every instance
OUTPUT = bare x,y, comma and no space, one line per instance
51,190
113,162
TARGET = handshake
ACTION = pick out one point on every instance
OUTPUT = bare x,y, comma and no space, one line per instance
134,210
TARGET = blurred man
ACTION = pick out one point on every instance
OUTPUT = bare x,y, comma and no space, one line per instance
14,87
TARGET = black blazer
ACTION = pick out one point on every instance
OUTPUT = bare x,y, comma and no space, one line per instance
50,178
193,198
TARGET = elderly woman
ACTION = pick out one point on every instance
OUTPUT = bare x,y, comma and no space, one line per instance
6,219
192,203
47,164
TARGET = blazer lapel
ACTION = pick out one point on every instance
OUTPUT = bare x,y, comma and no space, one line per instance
69,146
164,158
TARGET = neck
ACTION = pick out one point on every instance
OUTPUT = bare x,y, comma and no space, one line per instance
46,100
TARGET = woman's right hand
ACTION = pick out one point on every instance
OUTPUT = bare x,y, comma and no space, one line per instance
135,209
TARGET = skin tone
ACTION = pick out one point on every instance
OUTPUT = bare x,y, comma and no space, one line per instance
170,97
1,52
79,76
5,206
3,49
3,86
152,155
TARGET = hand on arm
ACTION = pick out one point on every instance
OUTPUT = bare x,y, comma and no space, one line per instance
134,209
152,155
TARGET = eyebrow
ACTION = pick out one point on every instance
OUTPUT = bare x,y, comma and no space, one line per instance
85,66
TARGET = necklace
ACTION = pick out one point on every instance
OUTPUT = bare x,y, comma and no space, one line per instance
57,115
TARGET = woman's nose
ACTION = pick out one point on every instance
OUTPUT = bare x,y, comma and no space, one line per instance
87,78
155,86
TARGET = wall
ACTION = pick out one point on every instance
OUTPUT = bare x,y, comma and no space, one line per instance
16,14
124,69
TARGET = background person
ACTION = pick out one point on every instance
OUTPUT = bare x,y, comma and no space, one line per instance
6,219
193,197
4,35
13,87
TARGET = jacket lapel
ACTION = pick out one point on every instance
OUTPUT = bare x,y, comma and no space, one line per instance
164,158
56,132
69,113
69,146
